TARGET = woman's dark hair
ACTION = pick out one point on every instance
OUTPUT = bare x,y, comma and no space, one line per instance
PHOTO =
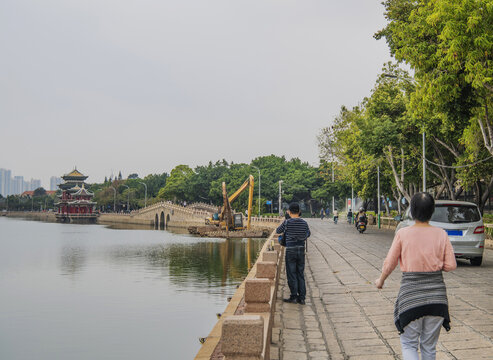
422,206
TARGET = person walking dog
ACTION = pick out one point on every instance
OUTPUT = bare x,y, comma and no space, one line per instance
296,232
421,308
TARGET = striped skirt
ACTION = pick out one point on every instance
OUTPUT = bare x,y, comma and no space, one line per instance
421,294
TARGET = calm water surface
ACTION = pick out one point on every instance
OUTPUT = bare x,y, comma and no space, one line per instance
90,292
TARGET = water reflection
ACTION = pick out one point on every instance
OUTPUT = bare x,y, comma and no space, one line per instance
209,263
174,230
89,292
72,259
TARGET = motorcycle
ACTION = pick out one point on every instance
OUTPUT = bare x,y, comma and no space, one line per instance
361,225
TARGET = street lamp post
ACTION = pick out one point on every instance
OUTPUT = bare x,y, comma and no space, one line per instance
258,188
333,205
352,201
424,162
280,197
145,201
378,195
114,198
128,196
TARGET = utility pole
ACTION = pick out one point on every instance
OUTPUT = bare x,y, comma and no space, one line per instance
128,195
333,206
352,201
114,199
145,201
280,198
258,188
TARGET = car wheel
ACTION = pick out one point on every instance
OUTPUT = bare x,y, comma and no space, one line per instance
477,261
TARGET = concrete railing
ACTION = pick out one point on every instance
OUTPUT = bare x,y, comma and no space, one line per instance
244,330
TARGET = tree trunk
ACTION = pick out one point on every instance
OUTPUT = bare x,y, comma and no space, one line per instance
486,129
387,210
398,198
440,191
399,180
485,195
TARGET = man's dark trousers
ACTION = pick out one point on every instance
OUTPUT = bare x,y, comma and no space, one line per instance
295,269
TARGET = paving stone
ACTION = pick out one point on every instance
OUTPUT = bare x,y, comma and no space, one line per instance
313,334
343,306
294,346
291,355
317,355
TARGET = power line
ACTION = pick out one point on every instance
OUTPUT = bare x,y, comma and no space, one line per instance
459,166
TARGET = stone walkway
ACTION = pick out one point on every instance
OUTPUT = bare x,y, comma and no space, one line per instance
346,317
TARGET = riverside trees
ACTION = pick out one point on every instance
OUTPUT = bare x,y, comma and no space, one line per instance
448,44
301,182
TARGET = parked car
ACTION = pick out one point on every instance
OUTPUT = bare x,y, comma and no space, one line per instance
463,223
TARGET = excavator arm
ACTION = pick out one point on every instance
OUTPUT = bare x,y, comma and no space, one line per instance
226,209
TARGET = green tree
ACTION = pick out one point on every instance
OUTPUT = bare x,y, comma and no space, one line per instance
39,192
177,185
449,45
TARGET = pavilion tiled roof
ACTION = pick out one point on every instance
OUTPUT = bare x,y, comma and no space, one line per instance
75,173
82,191
76,188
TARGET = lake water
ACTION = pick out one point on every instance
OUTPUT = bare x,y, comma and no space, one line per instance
90,292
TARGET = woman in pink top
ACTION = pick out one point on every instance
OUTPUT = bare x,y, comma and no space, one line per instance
421,308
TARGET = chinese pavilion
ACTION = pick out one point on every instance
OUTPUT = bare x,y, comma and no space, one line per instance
75,202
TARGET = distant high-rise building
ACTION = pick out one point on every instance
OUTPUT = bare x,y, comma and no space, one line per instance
54,182
35,183
17,185
5,182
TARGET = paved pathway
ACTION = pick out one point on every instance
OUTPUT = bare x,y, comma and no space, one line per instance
346,317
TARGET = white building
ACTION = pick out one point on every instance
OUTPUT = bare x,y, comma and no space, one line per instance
35,183
17,186
5,182
54,182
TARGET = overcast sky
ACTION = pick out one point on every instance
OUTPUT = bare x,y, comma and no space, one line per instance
142,86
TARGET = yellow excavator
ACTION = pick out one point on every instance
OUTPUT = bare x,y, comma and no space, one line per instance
226,220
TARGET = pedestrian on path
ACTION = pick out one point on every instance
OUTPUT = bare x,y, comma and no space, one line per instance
421,308
322,214
296,232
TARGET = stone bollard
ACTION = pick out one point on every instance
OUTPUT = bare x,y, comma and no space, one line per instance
270,256
266,270
257,295
242,337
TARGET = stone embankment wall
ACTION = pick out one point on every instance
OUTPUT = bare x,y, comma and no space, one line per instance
159,215
33,215
244,330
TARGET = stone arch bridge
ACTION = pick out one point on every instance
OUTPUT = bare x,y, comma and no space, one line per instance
163,214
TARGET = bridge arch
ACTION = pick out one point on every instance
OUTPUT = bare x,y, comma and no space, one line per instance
161,221
156,222
167,219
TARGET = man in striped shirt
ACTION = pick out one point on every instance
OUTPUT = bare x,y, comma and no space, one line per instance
296,232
